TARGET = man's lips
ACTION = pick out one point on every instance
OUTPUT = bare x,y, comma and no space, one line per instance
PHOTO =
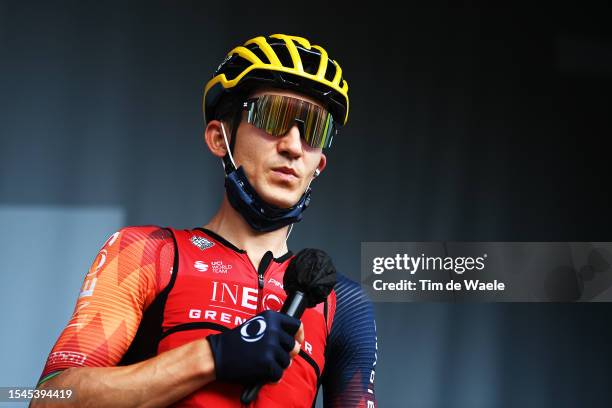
286,170
285,174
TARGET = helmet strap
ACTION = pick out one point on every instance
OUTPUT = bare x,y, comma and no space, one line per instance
228,160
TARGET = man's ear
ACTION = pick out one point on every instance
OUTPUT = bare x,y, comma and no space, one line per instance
321,166
213,136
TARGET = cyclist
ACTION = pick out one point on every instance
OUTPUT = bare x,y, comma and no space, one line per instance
191,317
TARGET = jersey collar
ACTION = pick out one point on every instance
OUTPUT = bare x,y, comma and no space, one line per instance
233,247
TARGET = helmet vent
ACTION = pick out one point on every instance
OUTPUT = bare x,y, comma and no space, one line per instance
331,72
234,67
310,60
260,54
283,54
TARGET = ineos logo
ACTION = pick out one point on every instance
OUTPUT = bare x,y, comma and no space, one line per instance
251,338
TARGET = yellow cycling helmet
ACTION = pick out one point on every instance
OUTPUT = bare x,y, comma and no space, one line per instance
279,61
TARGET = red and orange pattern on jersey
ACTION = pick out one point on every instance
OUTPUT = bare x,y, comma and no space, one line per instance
132,267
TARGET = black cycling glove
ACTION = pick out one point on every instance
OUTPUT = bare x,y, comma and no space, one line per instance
257,351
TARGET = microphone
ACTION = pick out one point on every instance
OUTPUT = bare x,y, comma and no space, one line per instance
308,280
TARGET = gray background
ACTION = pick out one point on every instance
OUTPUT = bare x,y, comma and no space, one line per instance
466,123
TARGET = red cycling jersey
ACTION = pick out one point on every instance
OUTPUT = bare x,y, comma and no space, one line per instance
151,289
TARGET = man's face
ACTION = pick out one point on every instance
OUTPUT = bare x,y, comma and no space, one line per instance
279,167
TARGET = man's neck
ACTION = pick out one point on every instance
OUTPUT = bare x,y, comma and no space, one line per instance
229,224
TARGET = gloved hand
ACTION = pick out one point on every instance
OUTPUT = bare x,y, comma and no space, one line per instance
257,351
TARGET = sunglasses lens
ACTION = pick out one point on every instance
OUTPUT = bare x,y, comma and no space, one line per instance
276,114
319,127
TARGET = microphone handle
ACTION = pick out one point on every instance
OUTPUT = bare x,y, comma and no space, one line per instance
294,306
250,393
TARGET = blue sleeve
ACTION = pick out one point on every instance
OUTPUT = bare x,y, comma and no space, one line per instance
348,377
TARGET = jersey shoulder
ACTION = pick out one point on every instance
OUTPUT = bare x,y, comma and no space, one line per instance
147,248
132,233
347,286
143,243
351,302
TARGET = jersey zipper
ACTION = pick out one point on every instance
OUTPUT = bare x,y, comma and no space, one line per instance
263,266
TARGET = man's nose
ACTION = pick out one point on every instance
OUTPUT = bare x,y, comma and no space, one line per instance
290,143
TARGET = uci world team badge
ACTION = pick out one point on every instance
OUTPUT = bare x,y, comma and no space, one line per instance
201,242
